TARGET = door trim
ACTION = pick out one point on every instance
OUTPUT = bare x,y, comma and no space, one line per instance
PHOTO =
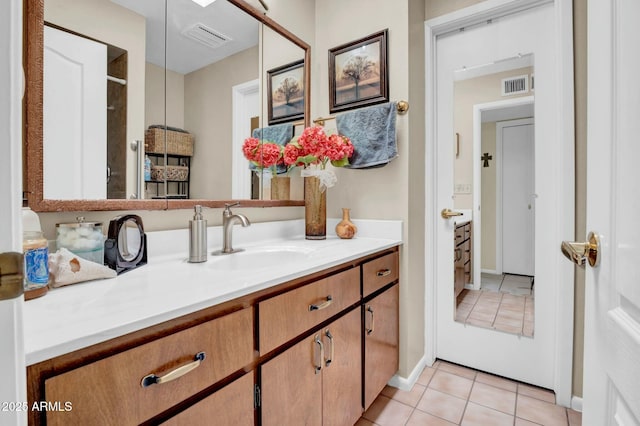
240,179
564,226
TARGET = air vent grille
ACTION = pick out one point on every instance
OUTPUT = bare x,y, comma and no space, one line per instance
206,35
515,85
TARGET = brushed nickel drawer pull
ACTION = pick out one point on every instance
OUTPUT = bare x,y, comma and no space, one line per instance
370,330
152,379
330,337
383,272
318,367
321,306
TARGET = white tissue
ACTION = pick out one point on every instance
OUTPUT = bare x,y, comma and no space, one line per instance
68,268
327,177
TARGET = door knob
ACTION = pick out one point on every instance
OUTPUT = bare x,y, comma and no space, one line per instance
448,213
579,253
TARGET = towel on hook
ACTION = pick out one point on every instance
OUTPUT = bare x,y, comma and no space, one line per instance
372,131
280,134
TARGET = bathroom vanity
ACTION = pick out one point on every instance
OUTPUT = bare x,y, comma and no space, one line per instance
308,340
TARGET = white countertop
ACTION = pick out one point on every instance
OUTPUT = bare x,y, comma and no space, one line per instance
80,315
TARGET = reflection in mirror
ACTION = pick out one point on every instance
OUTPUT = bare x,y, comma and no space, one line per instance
94,97
129,240
214,90
494,186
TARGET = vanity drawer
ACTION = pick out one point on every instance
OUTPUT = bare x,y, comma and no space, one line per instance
290,314
109,391
459,234
380,272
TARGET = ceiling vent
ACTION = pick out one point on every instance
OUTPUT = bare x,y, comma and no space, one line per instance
205,35
515,85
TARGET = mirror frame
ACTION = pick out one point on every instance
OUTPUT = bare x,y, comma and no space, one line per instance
33,149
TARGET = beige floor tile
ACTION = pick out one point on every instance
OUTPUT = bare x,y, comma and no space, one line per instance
479,323
510,317
498,382
490,296
537,393
575,418
477,415
451,384
442,405
507,328
387,412
410,398
492,397
364,422
458,370
485,308
482,316
541,412
469,296
523,422
527,328
420,418
427,374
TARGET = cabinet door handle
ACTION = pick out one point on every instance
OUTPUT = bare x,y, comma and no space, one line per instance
318,366
458,253
329,360
383,272
153,379
322,305
370,330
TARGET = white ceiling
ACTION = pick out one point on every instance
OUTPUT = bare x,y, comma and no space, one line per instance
183,54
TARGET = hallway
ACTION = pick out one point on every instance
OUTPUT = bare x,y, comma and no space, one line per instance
448,394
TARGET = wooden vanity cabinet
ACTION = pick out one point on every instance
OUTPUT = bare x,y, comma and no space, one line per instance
303,352
380,311
318,380
462,257
231,405
110,392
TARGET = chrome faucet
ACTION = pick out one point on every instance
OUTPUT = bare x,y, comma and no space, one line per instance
228,220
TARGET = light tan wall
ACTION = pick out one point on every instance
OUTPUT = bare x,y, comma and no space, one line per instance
154,97
208,115
384,192
488,200
468,93
436,8
119,27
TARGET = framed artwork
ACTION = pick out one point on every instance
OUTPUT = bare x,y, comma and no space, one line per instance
358,74
285,93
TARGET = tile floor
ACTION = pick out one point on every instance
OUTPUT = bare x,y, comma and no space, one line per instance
448,394
505,303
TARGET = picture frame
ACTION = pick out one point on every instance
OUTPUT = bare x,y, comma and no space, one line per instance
358,73
285,93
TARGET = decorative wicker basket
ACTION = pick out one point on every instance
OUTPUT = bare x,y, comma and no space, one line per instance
172,173
178,143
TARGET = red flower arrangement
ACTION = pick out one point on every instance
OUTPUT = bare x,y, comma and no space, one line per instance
263,155
314,147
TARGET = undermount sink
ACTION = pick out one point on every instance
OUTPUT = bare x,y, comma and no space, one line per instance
259,258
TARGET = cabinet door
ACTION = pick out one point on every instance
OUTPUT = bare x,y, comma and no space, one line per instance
380,342
342,374
231,405
291,386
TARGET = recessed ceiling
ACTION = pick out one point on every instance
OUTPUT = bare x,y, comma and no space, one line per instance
184,54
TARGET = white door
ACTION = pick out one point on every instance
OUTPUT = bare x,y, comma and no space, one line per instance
75,117
545,358
515,142
612,305
13,382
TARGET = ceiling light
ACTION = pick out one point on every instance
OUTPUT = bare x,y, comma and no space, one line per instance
203,3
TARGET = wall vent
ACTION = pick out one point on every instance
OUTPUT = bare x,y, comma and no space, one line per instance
206,35
515,85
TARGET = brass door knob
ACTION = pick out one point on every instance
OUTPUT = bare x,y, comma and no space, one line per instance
579,253
448,213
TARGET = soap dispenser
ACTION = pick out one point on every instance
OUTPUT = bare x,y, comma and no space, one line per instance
197,237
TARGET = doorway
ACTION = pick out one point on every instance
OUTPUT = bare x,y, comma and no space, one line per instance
510,32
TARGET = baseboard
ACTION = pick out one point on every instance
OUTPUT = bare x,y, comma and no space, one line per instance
406,383
576,403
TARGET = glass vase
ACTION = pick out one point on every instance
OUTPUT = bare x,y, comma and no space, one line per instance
280,188
315,209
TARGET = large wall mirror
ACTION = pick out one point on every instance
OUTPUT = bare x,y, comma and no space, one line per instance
200,72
